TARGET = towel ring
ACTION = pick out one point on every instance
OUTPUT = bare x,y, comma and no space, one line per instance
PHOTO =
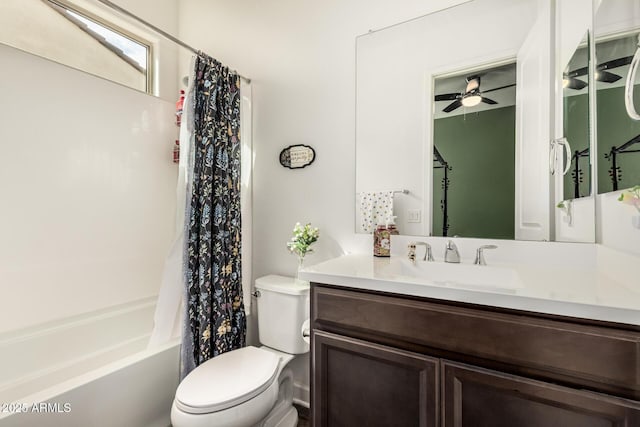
628,88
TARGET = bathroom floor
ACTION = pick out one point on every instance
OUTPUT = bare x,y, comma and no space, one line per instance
303,416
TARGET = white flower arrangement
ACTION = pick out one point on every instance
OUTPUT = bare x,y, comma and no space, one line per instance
303,238
631,197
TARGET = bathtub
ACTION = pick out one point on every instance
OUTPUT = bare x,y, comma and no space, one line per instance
90,370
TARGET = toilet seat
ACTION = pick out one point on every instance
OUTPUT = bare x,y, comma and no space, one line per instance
227,380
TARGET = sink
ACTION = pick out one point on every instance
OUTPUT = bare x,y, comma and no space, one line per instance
461,275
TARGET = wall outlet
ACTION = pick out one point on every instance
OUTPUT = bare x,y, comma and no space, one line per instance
414,215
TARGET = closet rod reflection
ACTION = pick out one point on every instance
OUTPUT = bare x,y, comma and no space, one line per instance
158,30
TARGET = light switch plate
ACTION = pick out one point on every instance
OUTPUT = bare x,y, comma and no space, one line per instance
414,215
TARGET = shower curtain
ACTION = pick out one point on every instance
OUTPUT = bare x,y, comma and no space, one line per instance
215,319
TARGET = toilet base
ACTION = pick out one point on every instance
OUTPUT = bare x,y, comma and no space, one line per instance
283,413
288,417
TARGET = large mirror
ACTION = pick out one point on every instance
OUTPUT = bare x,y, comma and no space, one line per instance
617,28
454,131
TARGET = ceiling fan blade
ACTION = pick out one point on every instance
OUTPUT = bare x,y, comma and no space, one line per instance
607,77
615,63
577,73
447,97
488,101
498,88
473,84
575,84
455,104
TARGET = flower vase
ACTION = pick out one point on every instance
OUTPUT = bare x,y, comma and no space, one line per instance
300,266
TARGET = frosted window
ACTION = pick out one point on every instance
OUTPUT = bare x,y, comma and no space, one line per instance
55,31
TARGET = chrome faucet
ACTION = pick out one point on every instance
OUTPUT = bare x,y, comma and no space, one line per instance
480,254
428,255
451,253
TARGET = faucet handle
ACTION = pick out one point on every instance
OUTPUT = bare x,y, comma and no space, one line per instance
480,254
412,252
451,253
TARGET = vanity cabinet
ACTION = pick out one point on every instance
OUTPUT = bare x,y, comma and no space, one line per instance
381,359
365,384
474,397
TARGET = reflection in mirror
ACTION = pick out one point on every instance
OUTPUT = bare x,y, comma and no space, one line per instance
474,153
618,135
577,181
441,171
407,129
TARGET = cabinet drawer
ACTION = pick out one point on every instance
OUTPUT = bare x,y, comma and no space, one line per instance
598,357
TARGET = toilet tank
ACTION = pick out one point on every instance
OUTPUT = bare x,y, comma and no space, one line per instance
283,306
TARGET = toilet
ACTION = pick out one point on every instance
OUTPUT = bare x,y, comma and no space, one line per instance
251,386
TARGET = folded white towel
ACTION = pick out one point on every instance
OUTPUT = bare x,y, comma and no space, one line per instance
376,207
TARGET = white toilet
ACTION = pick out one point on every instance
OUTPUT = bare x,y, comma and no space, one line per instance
251,386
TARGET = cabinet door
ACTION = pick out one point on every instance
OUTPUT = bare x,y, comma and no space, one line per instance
358,383
476,397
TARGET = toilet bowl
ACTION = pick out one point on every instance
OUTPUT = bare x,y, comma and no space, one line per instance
251,386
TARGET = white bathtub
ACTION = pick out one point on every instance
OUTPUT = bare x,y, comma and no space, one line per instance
90,370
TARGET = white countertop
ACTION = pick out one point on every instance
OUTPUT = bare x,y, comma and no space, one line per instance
595,293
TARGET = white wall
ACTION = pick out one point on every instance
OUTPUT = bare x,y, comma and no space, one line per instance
87,189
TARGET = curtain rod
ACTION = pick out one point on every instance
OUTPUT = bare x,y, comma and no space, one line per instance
158,30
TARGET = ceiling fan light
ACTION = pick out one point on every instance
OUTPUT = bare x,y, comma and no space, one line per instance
471,100
565,82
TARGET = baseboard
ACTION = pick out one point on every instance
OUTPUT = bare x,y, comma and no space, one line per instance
301,394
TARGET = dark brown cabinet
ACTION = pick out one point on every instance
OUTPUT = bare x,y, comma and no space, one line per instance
388,360
359,382
476,397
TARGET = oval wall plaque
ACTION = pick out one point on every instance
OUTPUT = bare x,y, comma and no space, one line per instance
297,156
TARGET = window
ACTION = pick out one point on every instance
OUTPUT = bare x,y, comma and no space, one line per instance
56,31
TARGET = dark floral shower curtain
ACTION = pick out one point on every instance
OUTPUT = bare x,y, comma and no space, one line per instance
215,318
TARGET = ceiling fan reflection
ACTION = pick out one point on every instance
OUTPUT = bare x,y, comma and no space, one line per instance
471,96
570,80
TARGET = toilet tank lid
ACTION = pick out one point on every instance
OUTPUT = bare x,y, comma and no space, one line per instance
283,285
